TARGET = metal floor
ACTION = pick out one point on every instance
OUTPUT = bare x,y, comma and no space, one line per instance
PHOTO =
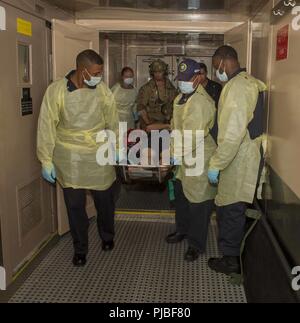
141,269
143,197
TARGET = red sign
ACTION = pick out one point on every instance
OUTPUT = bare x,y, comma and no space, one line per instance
282,43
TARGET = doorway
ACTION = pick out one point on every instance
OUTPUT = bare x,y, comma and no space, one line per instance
138,50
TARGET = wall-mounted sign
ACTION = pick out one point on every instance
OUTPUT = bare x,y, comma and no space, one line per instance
2,19
282,43
24,27
26,102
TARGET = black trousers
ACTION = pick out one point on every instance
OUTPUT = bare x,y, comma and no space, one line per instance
75,200
231,224
192,219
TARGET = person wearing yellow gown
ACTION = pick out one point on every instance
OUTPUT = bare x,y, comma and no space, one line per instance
194,110
74,110
235,165
125,95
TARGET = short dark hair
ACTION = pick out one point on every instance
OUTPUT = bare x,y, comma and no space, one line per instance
125,69
88,57
203,67
226,52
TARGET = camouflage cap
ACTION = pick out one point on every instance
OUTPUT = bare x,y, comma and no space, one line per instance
158,66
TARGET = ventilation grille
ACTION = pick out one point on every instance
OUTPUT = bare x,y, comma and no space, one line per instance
29,207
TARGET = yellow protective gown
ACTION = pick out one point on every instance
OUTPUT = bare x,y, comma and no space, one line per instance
198,113
68,125
126,104
237,156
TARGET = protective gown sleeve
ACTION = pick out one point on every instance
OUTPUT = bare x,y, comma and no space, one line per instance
47,124
114,88
200,117
233,121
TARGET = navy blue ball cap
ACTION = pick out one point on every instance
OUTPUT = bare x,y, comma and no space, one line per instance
187,69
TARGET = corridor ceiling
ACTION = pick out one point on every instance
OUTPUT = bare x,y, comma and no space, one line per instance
241,7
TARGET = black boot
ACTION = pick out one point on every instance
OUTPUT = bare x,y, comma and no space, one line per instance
108,245
226,265
192,254
175,237
79,260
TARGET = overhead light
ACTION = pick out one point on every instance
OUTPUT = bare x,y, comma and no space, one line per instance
193,4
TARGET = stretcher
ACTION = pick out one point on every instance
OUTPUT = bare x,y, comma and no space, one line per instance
133,173
140,173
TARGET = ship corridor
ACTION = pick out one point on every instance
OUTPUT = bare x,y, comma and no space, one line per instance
39,43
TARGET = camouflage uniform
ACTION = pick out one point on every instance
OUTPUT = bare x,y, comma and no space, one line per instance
158,107
157,104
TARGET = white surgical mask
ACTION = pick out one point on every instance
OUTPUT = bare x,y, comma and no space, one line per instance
128,81
223,77
186,87
94,81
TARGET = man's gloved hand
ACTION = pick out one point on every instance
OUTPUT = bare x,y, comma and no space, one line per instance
213,176
136,116
117,158
49,174
174,161
121,158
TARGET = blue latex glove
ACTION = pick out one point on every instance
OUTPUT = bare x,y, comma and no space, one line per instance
174,161
213,176
118,158
136,116
49,174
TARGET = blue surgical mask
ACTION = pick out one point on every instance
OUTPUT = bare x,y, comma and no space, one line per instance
128,81
94,80
223,77
186,87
